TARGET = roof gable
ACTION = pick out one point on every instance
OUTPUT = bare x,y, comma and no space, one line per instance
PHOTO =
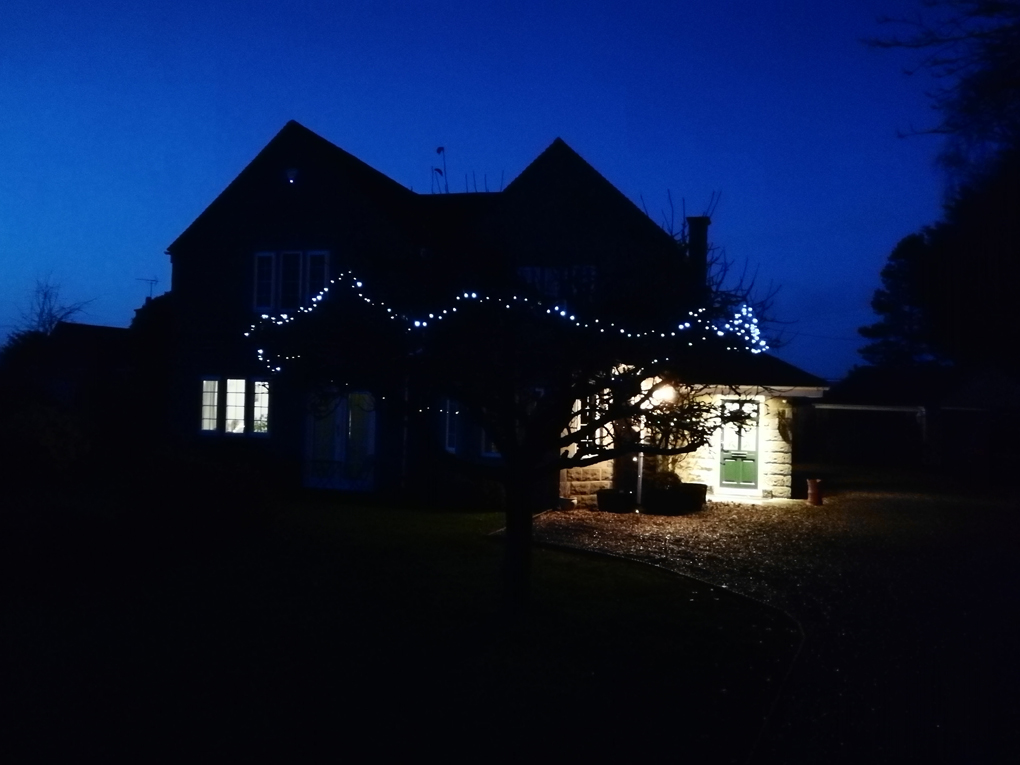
562,207
297,173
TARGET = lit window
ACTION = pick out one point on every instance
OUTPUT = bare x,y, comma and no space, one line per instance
235,406
240,407
260,407
210,404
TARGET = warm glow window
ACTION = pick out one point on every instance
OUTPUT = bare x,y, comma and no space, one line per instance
288,280
210,404
236,405
260,407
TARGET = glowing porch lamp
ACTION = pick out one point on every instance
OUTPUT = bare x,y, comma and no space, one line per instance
665,394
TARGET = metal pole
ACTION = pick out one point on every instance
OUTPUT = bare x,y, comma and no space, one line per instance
640,463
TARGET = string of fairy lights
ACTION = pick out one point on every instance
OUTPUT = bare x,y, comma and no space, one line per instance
743,326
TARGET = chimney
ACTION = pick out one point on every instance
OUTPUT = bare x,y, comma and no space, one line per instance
697,248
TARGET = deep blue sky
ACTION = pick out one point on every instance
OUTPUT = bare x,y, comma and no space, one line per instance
121,121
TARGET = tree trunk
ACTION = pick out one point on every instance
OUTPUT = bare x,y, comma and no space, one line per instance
522,493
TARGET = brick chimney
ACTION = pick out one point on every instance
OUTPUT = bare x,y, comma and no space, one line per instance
697,249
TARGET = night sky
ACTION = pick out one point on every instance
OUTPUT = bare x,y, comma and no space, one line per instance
121,121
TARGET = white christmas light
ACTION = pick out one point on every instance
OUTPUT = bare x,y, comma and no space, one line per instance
743,324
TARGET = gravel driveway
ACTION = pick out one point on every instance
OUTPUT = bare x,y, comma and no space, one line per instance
907,602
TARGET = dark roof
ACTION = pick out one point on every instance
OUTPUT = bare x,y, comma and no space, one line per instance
561,202
558,165
90,344
715,366
904,386
559,209
326,177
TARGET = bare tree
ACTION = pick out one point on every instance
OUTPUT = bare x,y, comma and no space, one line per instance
730,285
972,49
550,391
45,309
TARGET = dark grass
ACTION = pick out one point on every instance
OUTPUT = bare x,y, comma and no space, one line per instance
303,625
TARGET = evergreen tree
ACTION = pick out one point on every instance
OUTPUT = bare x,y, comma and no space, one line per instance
901,336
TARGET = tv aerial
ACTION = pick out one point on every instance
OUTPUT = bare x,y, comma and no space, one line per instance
152,283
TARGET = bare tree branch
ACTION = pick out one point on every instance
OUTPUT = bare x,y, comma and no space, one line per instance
45,309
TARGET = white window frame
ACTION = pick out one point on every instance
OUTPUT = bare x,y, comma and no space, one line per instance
224,398
260,393
210,405
235,409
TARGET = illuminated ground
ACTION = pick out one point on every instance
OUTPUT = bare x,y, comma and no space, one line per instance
906,599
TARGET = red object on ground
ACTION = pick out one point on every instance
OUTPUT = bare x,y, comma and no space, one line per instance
814,491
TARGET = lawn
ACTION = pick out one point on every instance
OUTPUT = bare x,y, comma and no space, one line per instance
312,625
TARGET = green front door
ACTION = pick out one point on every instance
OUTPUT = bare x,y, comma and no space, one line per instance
739,467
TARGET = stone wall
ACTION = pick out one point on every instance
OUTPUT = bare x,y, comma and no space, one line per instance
581,483
775,465
775,473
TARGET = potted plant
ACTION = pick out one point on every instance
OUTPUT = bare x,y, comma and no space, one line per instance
665,494
615,500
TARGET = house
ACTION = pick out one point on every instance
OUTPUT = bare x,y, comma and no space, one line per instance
305,213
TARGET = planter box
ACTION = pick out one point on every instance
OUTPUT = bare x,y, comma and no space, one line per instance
615,501
674,500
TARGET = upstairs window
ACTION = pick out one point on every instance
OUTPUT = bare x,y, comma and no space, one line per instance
316,278
569,284
288,280
264,268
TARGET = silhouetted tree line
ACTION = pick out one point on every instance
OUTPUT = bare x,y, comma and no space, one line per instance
80,403
948,290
